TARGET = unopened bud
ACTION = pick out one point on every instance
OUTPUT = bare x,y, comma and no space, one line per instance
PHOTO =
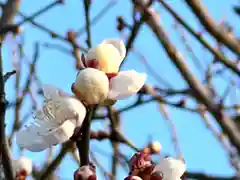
71,36
121,23
87,172
91,86
18,30
182,102
139,162
155,147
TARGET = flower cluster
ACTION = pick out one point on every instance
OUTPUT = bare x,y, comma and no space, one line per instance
142,168
99,81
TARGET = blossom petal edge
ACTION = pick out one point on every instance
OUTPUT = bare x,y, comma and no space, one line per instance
126,84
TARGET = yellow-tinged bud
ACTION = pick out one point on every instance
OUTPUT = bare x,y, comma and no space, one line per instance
107,56
155,147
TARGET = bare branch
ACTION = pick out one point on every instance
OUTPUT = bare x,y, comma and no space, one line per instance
8,75
5,154
231,65
217,31
201,93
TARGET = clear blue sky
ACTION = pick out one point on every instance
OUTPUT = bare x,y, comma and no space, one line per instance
200,149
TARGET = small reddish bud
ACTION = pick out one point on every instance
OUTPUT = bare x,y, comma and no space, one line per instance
182,102
18,30
139,162
87,172
121,23
54,35
71,36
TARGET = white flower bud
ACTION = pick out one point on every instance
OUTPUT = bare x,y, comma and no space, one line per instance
92,86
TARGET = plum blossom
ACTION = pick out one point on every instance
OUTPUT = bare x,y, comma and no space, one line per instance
168,169
101,79
23,167
87,172
54,123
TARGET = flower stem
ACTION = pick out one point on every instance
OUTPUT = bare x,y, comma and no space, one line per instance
83,143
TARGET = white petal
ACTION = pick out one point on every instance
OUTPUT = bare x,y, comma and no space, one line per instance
50,91
57,111
76,110
54,123
60,134
38,137
30,141
126,84
171,167
119,45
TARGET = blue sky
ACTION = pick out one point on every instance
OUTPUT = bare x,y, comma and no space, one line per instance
200,149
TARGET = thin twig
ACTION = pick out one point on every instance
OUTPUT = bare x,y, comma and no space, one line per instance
49,169
231,65
87,5
52,33
202,94
8,75
115,145
40,12
216,31
96,18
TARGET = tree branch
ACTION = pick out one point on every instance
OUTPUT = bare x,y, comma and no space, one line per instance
216,31
87,5
202,94
5,154
219,56
49,169
9,11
